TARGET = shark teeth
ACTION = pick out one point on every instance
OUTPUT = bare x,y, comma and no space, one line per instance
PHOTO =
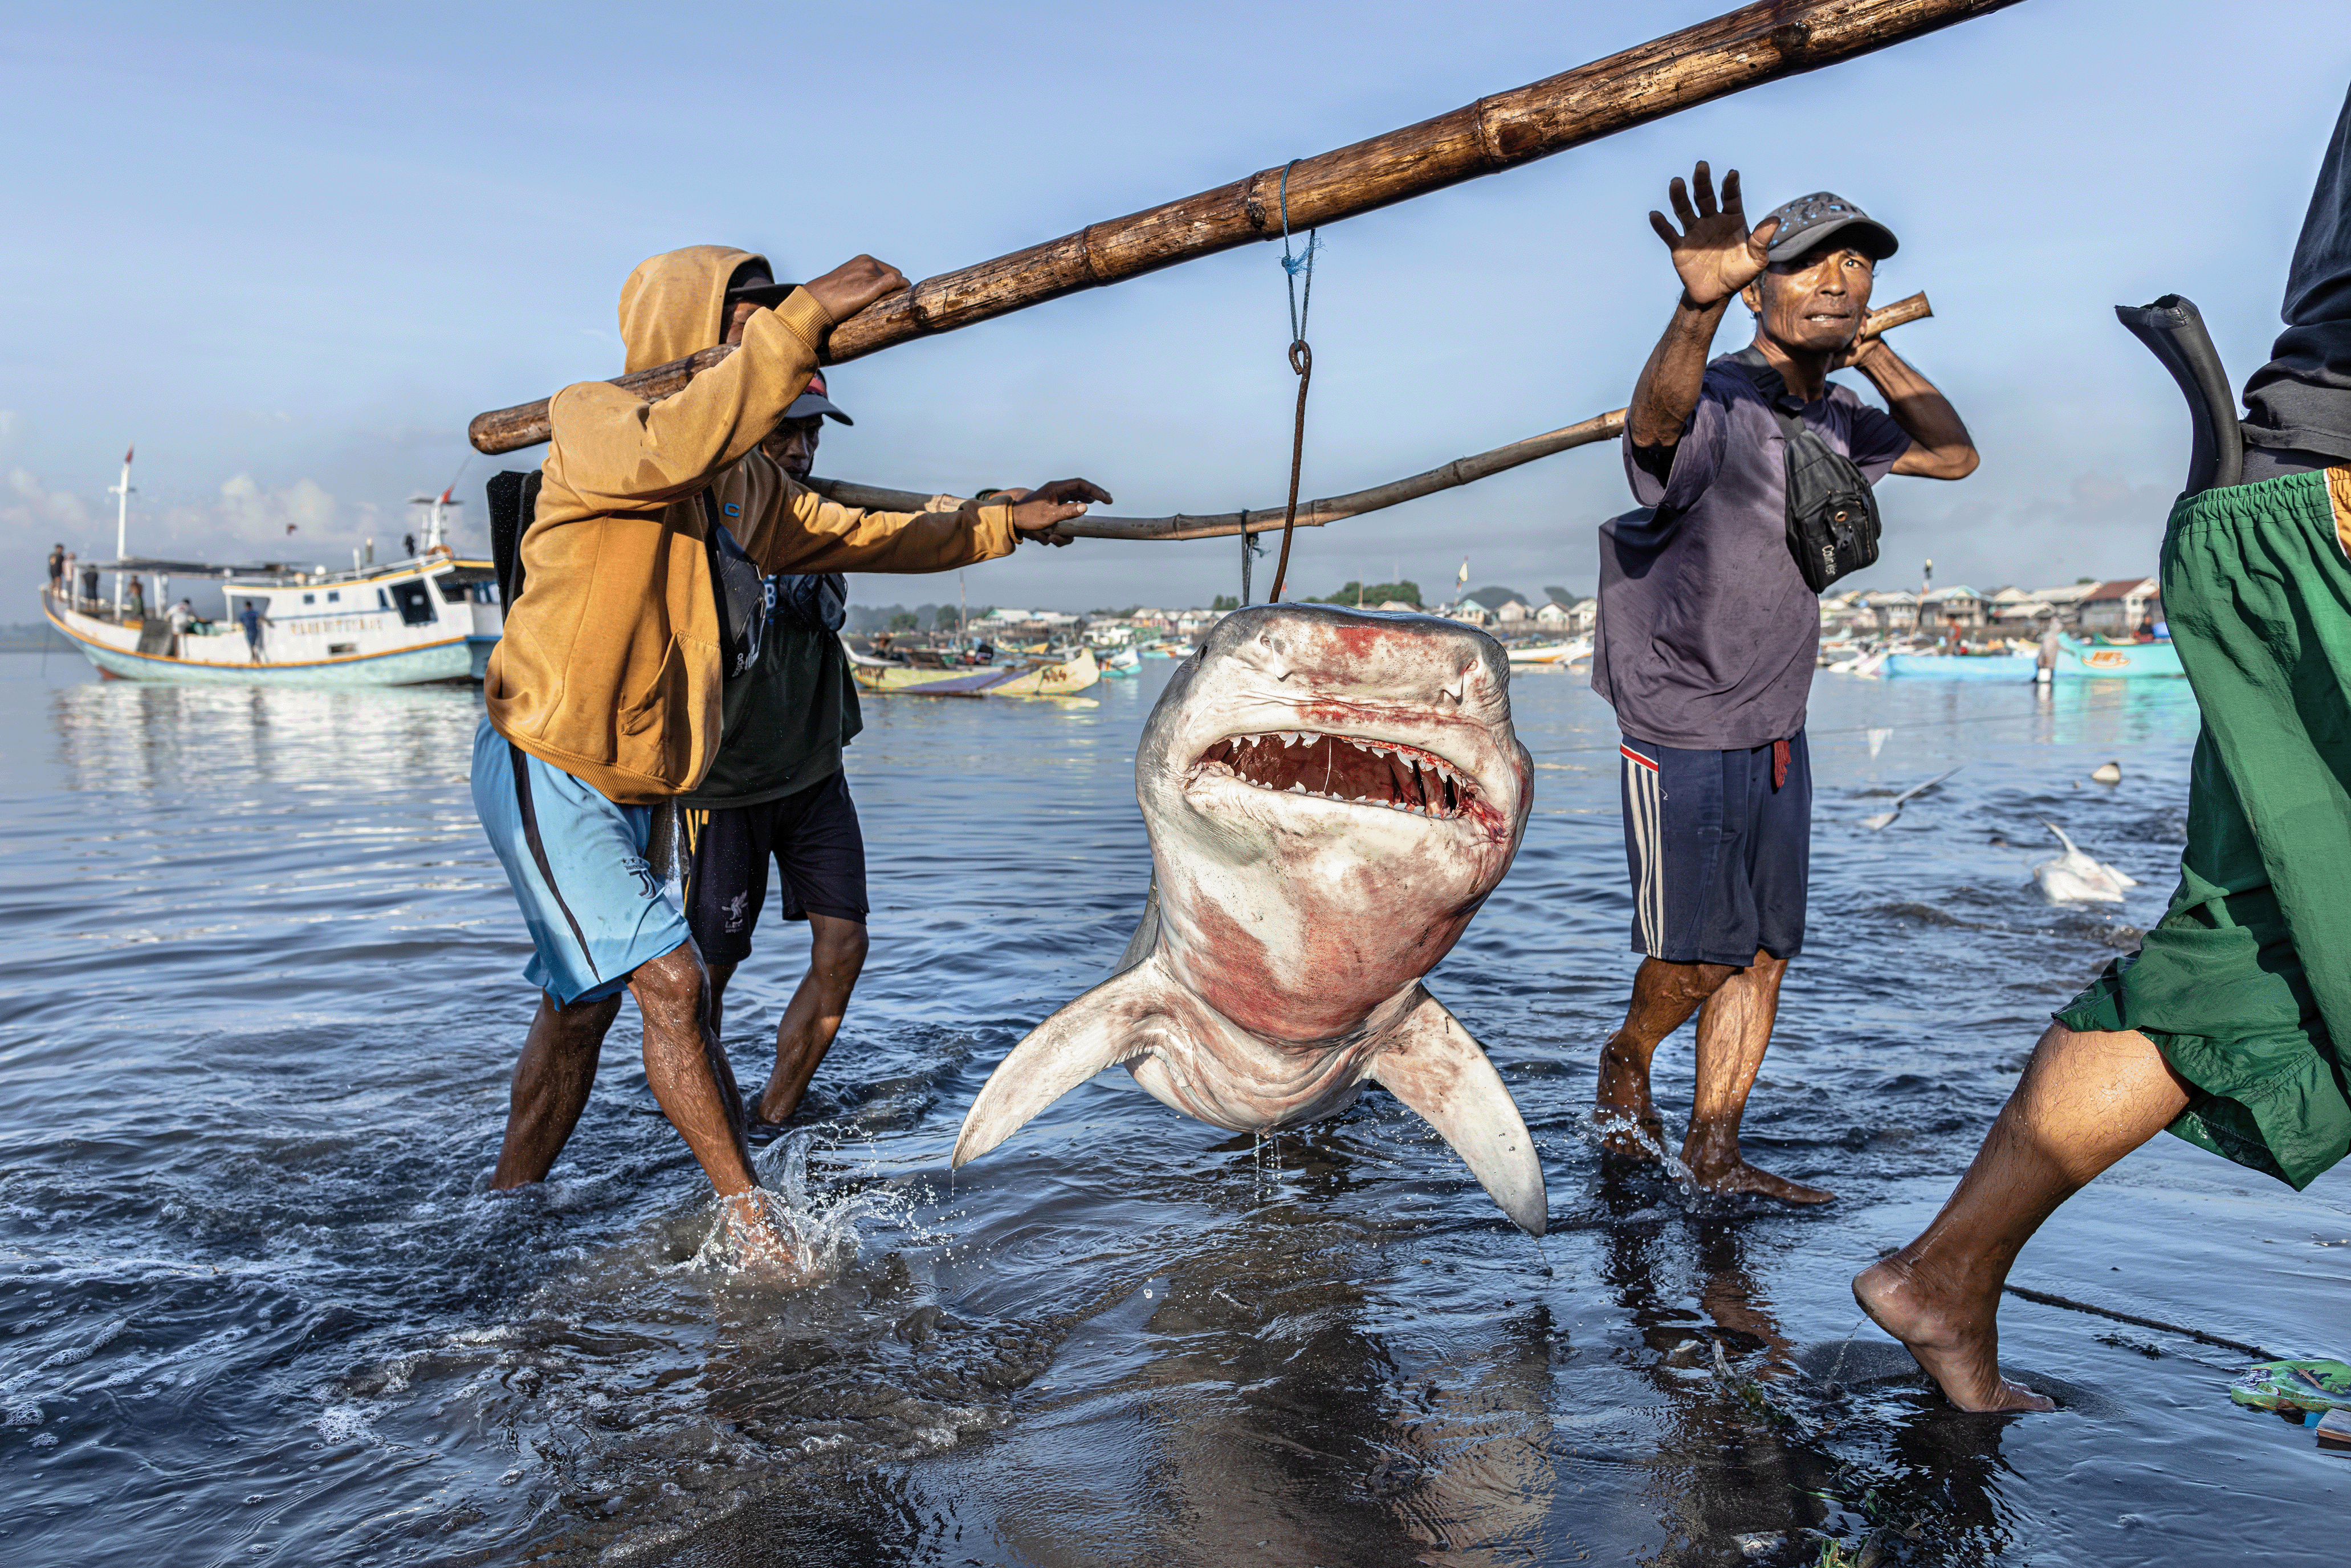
1349,769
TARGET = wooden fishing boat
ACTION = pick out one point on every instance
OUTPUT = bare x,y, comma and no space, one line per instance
1066,678
1566,652
2127,660
433,618
1959,667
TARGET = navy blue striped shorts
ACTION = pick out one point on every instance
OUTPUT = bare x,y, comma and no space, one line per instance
1719,846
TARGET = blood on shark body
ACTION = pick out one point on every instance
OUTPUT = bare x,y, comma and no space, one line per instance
1329,795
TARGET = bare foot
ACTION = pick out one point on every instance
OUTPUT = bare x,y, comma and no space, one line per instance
1954,1336
1630,1128
1738,1175
758,1246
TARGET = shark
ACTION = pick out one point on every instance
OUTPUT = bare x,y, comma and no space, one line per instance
1330,796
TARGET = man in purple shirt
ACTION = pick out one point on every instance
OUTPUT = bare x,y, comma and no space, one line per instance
1707,635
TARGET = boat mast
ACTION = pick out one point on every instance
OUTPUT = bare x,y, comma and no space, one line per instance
121,524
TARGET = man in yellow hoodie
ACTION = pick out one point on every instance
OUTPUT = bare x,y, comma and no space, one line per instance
628,614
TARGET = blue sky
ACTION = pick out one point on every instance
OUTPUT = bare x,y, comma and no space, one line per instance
291,250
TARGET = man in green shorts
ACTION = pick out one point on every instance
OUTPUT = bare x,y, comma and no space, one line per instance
2228,1025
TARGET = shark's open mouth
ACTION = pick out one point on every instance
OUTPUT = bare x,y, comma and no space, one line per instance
1344,768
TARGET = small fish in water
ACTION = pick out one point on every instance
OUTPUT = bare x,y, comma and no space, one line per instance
2107,773
1331,795
2075,878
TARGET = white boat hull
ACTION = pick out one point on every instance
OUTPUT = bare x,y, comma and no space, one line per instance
356,642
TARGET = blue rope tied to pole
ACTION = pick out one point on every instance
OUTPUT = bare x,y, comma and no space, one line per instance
1301,363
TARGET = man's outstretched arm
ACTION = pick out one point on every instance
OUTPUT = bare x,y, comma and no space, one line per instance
1716,257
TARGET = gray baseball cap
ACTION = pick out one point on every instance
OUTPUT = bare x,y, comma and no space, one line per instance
1808,220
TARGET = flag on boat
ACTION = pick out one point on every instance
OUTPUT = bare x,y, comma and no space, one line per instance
127,452
1461,578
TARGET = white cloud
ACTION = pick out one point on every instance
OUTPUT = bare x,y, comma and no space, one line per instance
30,506
249,513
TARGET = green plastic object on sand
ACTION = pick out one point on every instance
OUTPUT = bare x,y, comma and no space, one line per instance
2303,1384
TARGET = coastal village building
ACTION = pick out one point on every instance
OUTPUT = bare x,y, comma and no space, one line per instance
2121,607
1887,611
2065,599
1577,616
1958,605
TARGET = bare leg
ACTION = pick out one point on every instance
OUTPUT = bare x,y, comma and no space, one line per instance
1664,997
1733,1033
2085,1100
689,1074
837,951
551,1082
687,1071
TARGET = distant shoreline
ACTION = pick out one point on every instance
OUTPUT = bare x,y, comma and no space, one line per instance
31,638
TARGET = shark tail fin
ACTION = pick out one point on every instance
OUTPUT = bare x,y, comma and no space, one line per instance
1432,1065
1108,1025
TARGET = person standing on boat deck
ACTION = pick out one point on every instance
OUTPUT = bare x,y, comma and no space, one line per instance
777,791
184,615
641,565
251,618
2231,1027
90,585
1708,636
56,570
135,601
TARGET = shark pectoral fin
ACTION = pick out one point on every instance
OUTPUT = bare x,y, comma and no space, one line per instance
1108,1025
1431,1064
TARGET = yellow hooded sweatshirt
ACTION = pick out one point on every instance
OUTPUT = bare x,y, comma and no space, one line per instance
610,666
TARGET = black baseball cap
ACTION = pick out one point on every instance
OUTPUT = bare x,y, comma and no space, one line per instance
812,402
1808,220
751,282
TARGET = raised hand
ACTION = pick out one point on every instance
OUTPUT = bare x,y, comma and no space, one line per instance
854,285
1713,251
1036,511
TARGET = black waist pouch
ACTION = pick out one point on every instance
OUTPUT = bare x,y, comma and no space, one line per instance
1833,523
740,594
813,601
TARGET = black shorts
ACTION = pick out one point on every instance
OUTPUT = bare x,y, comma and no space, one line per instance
1719,846
818,847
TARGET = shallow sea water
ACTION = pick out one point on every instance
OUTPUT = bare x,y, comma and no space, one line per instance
264,993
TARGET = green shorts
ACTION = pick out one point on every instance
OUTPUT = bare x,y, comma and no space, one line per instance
2245,983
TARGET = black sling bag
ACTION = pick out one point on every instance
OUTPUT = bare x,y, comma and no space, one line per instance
1833,523
741,596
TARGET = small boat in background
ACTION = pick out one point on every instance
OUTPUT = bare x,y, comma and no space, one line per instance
1959,667
2106,661
431,617
1121,664
1566,652
1063,678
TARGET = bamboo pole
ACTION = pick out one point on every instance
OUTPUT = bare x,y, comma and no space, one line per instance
1337,508
1740,49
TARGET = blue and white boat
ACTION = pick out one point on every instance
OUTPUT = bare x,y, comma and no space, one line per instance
431,617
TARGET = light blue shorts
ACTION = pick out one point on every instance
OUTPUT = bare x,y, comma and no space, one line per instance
576,864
